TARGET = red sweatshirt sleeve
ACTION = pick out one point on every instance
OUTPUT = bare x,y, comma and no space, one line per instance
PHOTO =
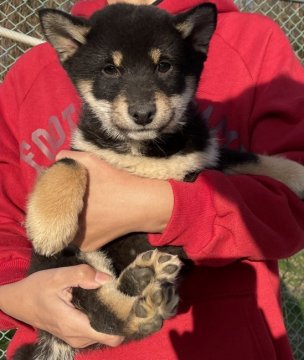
219,218
14,247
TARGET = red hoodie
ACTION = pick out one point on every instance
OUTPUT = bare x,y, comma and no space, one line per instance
234,227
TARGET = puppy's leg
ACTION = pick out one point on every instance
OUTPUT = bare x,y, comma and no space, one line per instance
151,277
135,304
284,170
150,266
54,206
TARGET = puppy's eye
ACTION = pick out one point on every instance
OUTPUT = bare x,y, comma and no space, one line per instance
111,70
163,67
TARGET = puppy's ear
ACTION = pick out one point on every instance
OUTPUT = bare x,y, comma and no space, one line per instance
64,32
198,25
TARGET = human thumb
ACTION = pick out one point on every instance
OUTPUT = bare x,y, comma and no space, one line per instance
84,276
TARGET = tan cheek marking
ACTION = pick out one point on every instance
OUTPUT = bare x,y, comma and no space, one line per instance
155,55
162,104
117,58
120,108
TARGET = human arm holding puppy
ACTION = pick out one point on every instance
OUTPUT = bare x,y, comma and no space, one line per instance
117,202
174,212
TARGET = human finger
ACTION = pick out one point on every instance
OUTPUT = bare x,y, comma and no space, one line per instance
83,276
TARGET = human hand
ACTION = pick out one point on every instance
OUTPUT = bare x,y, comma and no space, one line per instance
46,304
119,203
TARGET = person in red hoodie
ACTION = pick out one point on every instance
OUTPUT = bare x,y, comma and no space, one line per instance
235,228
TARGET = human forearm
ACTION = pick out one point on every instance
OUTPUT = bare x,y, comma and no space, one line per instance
219,219
155,205
119,203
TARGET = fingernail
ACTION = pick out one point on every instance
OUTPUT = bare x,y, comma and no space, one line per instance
116,341
102,278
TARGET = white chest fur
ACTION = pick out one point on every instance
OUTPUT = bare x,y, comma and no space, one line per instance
175,167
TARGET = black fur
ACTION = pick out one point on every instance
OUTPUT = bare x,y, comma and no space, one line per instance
25,352
67,161
228,158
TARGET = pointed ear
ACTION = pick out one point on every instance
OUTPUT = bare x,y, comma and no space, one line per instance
64,32
198,25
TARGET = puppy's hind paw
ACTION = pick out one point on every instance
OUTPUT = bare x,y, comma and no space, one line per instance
165,266
158,302
147,268
151,278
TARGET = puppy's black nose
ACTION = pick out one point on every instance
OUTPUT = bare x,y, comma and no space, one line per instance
143,114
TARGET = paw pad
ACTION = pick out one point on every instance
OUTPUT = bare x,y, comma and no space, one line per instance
164,258
165,266
171,269
153,274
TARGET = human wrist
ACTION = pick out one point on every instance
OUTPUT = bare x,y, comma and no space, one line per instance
2,293
155,205
6,296
192,217
3,297
10,301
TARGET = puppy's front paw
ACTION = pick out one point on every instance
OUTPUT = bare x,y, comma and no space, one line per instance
158,302
54,206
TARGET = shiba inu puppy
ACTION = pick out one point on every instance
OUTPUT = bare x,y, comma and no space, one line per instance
136,69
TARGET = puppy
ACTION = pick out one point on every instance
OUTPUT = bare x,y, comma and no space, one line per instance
136,69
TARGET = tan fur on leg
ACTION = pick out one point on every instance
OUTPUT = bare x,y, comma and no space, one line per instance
120,304
54,206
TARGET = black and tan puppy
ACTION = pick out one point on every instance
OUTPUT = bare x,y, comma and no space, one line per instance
136,69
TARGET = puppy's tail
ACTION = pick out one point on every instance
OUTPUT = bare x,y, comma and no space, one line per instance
48,348
25,352
286,171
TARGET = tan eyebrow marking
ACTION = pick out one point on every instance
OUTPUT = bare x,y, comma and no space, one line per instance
117,58
155,55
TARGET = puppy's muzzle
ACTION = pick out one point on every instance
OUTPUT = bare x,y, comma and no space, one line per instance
142,114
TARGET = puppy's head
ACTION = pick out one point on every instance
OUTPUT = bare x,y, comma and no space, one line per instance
136,67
